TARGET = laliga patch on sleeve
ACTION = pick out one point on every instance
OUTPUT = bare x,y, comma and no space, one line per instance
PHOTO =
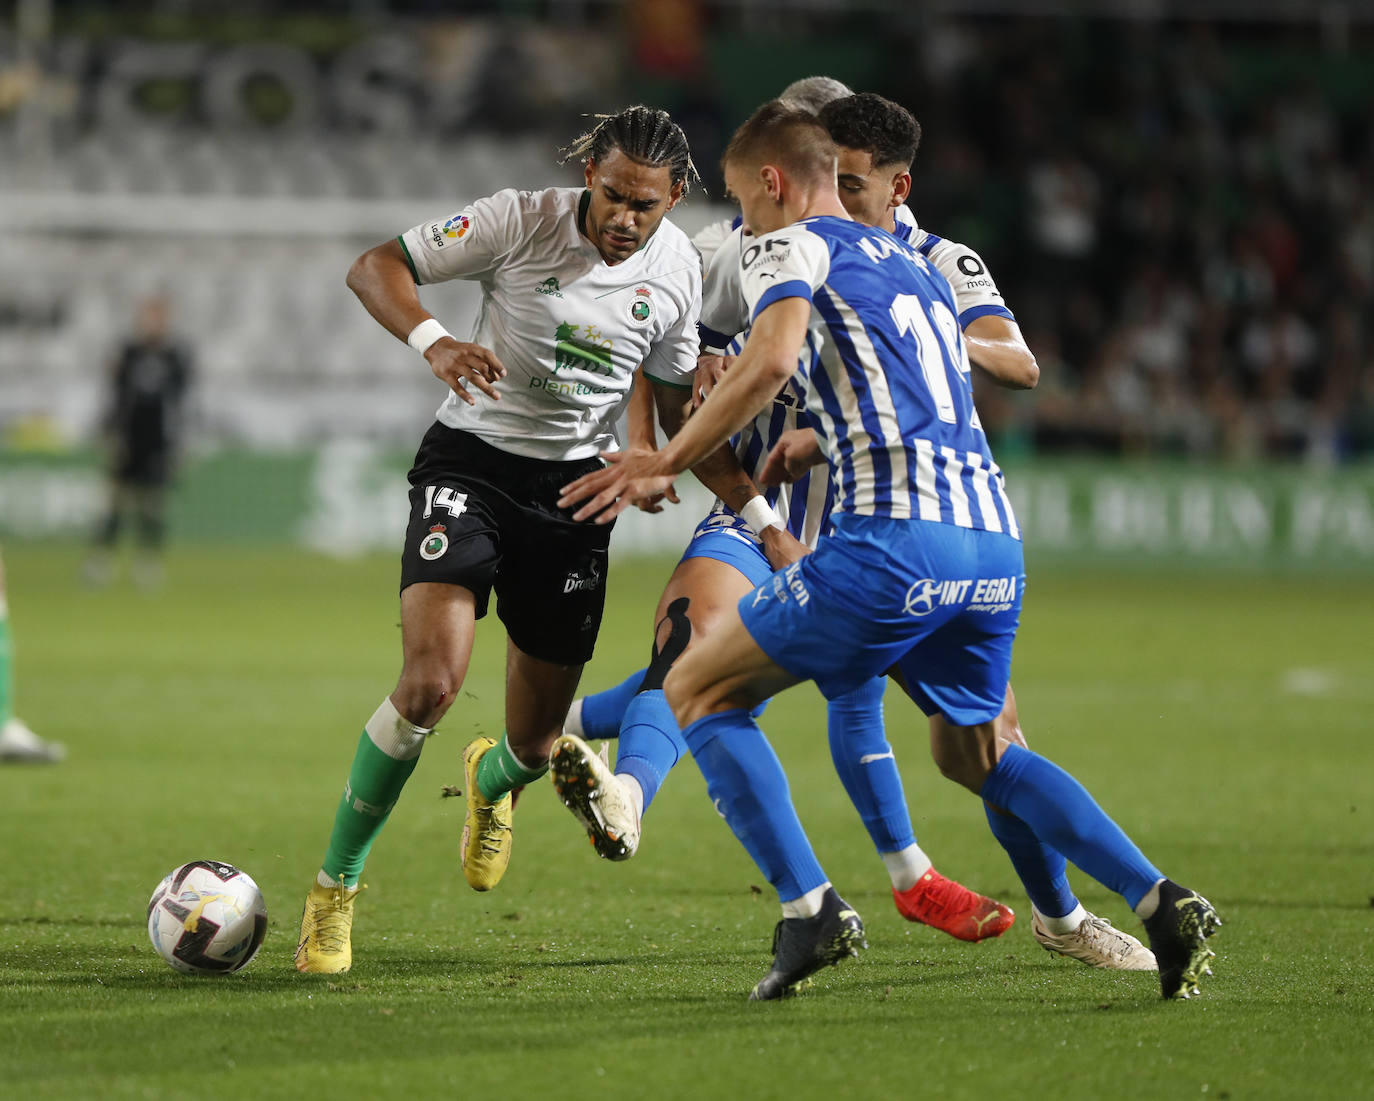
441,234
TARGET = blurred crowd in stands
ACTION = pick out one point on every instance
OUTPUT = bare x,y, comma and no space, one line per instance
1181,215
1181,218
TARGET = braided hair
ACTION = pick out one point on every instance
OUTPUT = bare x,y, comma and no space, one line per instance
644,134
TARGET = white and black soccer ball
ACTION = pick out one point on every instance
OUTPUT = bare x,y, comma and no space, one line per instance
207,918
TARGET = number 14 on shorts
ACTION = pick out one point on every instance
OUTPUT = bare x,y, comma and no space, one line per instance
444,497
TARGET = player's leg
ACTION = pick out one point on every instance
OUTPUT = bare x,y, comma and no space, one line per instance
712,690
99,567
1059,922
538,693
448,563
551,588
18,744
598,716
150,504
1060,813
437,622
717,569
867,767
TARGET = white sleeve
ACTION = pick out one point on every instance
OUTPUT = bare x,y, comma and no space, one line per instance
709,239
975,294
788,263
672,359
468,244
723,312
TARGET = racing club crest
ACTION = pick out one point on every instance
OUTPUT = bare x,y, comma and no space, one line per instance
641,307
434,544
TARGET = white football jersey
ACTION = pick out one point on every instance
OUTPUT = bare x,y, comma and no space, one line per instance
975,294
570,329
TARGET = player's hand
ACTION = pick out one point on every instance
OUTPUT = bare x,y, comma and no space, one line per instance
710,370
629,477
655,503
781,547
459,365
796,452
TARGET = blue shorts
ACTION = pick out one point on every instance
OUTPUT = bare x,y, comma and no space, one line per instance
728,539
940,602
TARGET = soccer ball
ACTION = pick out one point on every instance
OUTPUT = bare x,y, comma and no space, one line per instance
207,918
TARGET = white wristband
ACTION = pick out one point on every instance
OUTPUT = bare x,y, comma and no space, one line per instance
425,334
759,514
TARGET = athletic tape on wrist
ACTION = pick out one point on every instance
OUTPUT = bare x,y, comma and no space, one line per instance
425,334
759,514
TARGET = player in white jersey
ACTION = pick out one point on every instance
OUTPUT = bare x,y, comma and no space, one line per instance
581,289
922,572
729,554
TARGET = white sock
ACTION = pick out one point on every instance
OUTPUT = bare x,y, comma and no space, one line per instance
808,905
572,724
1061,925
1146,907
636,792
394,734
324,879
906,867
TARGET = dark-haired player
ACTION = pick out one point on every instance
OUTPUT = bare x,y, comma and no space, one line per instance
581,289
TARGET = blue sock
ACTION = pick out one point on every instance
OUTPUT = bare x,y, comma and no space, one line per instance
749,788
1042,870
650,742
603,712
1061,814
867,767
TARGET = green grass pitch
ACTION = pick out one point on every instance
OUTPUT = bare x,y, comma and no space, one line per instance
1222,720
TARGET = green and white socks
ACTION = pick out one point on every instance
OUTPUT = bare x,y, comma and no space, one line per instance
387,754
499,771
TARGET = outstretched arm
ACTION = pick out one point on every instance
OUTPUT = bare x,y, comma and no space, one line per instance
383,282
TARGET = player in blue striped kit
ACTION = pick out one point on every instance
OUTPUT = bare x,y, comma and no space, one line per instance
921,574
730,554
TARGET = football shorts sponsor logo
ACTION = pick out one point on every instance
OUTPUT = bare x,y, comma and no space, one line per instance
434,544
985,594
583,580
437,234
641,307
993,594
787,584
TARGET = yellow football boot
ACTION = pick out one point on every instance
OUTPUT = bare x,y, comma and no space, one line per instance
486,826
325,946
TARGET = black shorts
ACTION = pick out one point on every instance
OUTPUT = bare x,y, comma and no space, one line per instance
486,519
142,465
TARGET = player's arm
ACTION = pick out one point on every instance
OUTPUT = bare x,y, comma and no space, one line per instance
384,282
639,415
769,359
996,345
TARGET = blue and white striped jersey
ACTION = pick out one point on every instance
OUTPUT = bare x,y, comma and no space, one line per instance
885,373
804,505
